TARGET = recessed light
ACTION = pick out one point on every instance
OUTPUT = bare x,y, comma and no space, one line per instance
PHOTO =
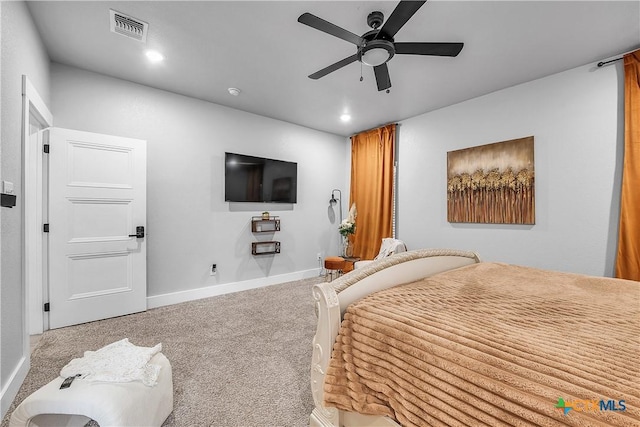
154,56
345,117
234,91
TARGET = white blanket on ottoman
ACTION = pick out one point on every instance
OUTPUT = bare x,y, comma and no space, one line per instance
108,403
118,362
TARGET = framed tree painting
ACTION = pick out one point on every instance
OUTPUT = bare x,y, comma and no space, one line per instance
492,184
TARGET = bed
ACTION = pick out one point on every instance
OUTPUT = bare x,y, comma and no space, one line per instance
436,337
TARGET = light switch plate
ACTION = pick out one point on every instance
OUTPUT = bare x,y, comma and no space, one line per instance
7,187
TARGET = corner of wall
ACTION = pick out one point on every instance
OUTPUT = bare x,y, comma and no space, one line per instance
10,389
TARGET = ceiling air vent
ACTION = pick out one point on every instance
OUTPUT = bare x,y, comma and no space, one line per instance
128,26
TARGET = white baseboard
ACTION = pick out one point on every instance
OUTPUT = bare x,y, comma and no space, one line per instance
211,291
10,389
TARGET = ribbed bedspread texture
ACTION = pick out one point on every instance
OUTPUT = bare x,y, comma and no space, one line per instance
492,344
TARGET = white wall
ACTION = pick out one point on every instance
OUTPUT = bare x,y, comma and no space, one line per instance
189,224
577,121
22,52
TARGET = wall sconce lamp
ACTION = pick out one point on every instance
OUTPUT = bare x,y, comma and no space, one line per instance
333,201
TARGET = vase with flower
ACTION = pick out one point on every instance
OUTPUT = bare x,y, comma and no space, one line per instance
346,228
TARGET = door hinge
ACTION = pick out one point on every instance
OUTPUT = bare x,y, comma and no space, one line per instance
46,148
45,228
46,306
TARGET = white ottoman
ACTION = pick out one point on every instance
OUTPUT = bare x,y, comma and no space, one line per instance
109,404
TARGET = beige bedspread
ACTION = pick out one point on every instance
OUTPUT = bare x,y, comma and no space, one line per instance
493,344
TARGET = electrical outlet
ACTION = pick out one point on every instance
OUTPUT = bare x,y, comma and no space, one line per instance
319,256
214,270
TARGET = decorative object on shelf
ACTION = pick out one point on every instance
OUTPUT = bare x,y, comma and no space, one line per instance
492,184
346,228
265,215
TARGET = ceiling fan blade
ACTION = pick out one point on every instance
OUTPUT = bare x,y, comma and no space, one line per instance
333,67
400,15
435,49
329,28
382,77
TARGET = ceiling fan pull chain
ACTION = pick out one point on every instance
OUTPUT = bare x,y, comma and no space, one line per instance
361,78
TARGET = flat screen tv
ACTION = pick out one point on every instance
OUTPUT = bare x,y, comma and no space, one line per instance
256,179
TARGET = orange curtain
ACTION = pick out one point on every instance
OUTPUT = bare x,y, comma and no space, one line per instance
372,157
628,259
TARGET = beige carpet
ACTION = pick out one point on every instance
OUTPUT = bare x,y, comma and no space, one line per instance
239,359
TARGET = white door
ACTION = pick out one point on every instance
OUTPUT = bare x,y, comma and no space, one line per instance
97,198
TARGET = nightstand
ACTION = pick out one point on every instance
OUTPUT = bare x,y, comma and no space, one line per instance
348,263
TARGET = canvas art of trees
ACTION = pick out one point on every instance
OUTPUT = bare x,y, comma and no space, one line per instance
492,183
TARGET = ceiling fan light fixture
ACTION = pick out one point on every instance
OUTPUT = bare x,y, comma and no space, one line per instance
376,47
377,52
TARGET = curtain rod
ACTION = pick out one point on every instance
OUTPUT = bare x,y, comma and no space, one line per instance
602,63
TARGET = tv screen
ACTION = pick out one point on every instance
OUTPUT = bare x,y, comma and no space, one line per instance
256,179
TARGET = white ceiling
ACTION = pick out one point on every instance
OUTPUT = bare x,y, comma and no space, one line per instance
259,47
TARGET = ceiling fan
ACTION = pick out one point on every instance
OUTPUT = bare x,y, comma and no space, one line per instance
377,46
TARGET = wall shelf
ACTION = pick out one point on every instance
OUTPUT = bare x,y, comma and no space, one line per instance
263,225
265,248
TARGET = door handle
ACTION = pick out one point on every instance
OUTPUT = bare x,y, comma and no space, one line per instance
139,232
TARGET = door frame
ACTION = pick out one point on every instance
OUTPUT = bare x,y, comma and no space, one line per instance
33,271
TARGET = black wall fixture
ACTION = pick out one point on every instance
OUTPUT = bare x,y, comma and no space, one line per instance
8,200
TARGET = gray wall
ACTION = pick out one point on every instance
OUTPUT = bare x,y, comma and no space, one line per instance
189,224
22,53
577,121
